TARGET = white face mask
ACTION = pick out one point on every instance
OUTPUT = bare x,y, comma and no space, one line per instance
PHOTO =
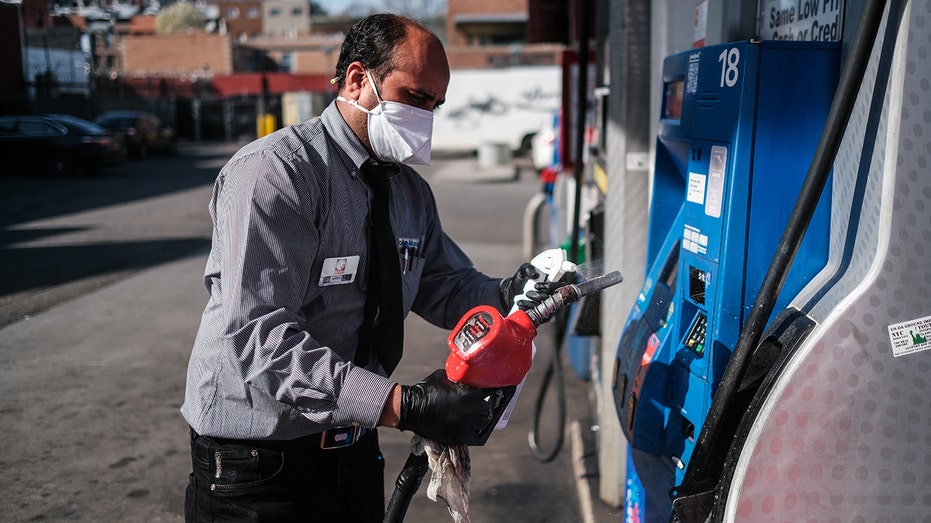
397,132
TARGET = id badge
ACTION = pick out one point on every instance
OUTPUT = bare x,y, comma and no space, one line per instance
339,271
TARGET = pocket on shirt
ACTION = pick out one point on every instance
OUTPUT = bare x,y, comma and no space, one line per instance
410,279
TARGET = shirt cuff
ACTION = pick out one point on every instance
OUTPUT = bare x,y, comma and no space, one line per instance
362,398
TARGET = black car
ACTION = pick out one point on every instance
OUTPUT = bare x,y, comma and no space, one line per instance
56,144
143,131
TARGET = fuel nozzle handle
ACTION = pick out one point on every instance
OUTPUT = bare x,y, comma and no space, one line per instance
570,293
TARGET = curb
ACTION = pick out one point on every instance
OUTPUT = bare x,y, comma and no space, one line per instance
592,509
583,476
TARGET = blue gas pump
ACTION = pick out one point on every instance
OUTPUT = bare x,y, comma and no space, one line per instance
739,125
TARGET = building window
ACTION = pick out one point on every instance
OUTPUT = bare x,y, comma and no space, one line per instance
287,62
274,11
297,11
252,13
232,13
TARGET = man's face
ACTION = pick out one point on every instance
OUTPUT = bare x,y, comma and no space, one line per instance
419,79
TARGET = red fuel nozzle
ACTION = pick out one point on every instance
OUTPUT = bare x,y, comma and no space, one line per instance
490,350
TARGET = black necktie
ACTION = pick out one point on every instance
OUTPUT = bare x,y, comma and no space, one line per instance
383,327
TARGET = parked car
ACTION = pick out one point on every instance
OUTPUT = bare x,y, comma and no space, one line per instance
143,131
56,144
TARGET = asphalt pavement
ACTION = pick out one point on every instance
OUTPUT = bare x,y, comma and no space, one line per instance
90,390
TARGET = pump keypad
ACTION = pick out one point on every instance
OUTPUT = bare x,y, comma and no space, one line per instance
696,338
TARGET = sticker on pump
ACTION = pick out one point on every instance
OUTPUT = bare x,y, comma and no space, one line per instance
691,85
696,188
715,197
910,336
475,329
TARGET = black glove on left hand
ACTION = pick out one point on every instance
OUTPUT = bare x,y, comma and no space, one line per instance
514,286
444,411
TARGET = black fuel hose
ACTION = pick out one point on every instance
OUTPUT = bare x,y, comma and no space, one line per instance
415,468
717,433
572,292
553,371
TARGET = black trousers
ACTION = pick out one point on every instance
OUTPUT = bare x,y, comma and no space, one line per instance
283,481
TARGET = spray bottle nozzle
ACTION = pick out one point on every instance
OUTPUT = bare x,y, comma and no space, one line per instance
570,293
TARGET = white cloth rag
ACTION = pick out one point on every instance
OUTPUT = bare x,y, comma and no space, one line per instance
450,475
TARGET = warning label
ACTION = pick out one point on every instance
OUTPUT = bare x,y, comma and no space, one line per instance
691,85
910,336
696,188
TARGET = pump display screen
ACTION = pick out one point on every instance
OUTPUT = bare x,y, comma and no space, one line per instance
672,107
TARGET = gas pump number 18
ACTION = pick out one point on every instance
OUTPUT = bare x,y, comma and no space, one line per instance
729,59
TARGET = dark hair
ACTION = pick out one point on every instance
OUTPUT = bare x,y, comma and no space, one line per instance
372,41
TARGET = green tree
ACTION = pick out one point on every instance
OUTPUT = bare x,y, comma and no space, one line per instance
177,18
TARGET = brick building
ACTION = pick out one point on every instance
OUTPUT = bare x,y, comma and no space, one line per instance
311,54
285,18
505,22
501,33
486,22
243,18
175,54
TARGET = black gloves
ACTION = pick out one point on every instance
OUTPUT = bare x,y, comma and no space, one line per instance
540,292
514,286
445,411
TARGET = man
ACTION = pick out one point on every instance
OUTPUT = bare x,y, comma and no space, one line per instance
289,372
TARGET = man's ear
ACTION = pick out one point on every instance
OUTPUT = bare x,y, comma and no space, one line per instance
355,79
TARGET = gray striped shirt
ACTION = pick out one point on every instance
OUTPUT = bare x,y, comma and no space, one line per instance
273,355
